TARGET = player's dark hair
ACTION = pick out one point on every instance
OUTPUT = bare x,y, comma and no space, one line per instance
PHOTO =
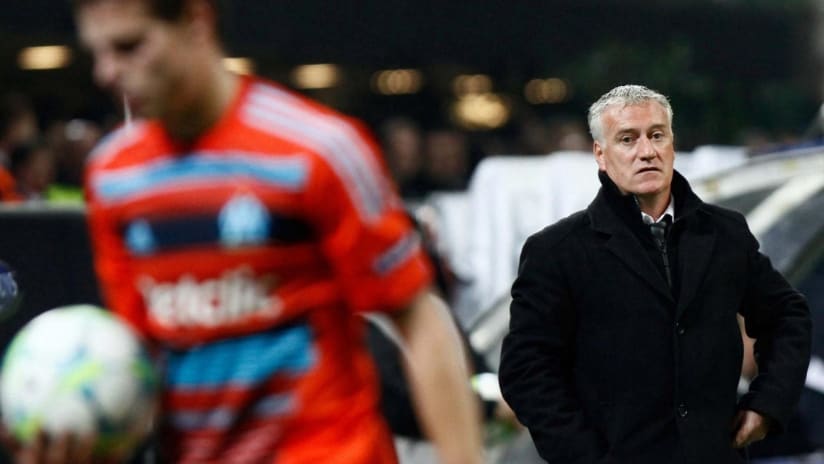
171,10
168,10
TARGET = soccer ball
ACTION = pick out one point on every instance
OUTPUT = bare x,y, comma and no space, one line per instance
79,369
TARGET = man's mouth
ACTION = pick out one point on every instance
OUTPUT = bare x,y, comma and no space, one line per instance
650,169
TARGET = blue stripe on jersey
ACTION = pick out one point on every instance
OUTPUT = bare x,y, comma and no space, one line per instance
243,362
286,173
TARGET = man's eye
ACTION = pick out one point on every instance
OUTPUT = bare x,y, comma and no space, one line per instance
658,136
127,47
626,139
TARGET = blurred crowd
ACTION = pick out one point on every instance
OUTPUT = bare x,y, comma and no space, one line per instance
443,157
42,164
43,161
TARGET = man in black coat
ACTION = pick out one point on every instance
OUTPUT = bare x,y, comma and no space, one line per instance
623,344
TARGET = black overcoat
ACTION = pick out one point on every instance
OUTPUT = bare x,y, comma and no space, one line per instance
605,363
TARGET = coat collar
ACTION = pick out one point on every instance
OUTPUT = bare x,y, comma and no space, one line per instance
618,218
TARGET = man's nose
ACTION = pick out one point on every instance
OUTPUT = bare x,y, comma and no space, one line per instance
106,71
646,149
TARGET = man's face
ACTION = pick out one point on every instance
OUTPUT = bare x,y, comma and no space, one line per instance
637,151
136,55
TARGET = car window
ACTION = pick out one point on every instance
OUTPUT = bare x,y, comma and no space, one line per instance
746,202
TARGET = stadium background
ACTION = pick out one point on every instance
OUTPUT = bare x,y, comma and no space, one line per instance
729,65
732,68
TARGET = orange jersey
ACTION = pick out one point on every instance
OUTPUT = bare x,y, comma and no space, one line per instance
245,255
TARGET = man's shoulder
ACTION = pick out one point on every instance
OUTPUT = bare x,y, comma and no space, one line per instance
283,107
283,115
729,225
115,147
723,215
561,231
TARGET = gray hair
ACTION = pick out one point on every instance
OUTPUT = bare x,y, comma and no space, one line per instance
624,95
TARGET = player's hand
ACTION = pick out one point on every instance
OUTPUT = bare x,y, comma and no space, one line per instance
749,427
62,449
506,415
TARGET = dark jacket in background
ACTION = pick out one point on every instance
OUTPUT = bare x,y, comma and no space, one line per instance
605,363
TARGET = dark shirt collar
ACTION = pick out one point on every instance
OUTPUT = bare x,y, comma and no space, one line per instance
686,202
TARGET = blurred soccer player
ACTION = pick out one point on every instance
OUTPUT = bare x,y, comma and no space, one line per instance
239,226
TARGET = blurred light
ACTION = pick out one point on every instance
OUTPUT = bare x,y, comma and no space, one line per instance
397,81
44,57
315,76
467,84
551,90
239,65
75,129
481,111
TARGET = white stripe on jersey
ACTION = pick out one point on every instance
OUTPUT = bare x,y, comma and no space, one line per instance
279,113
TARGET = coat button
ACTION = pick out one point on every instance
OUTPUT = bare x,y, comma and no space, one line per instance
682,410
680,329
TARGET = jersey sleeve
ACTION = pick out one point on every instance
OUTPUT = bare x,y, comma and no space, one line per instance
374,251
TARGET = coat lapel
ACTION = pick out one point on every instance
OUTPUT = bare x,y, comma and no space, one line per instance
696,243
696,251
625,246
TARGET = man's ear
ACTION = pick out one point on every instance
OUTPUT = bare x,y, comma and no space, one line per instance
598,150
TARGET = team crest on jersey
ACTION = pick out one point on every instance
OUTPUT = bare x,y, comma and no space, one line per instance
244,220
139,238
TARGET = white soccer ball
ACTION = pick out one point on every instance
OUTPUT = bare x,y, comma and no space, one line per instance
79,369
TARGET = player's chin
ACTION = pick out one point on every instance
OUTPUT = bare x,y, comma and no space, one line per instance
141,110
144,108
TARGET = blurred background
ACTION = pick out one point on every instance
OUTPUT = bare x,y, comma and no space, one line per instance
480,108
510,75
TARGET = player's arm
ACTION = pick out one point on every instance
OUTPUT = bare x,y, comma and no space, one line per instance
439,378
380,267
